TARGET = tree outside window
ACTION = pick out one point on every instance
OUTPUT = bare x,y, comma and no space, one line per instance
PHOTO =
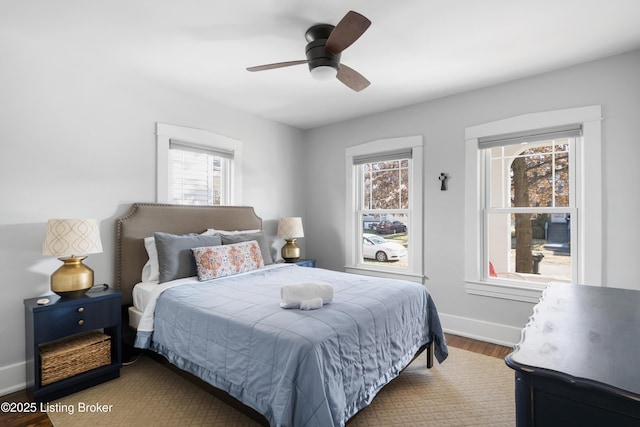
530,211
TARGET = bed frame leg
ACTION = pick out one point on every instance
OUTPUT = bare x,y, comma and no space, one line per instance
430,355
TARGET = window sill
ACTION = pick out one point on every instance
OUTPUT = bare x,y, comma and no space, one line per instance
516,291
385,273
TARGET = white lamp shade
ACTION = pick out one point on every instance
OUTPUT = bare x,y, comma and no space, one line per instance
72,237
290,228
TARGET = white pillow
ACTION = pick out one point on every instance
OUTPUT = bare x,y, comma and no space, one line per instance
151,269
228,233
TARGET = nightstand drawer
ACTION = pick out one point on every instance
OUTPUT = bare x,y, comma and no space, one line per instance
76,317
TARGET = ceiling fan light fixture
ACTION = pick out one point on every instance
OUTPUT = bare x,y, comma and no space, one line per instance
324,73
325,45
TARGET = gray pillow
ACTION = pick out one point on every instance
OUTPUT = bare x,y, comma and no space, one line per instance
229,239
175,259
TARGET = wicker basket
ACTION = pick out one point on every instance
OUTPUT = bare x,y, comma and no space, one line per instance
71,356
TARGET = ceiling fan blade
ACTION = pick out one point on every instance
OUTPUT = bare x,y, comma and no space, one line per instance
276,65
351,78
348,30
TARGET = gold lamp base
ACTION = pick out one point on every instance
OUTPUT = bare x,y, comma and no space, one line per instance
290,251
73,279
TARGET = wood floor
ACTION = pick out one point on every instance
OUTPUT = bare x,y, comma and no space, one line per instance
40,419
480,347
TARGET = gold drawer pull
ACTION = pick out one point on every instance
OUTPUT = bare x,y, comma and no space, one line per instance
80,322
80,309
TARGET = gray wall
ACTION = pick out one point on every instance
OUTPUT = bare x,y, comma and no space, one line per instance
84,147
613,82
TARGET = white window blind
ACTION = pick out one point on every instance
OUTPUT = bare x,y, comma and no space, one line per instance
188,146
556,132
198,174
382,157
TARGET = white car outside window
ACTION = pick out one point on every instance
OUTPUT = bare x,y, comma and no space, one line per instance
378,248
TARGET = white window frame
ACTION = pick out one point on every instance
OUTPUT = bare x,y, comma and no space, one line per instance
354,261
197,137
587,191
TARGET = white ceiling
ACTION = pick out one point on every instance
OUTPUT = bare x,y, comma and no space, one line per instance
415,50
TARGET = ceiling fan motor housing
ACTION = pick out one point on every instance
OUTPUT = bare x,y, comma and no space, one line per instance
316,54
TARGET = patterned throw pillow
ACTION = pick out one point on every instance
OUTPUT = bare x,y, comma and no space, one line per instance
220,261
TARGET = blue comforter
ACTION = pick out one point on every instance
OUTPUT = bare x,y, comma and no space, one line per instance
297,368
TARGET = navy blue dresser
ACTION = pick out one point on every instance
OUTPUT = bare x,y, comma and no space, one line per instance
578,361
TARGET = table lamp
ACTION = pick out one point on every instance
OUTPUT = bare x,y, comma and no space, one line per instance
290,229
69,238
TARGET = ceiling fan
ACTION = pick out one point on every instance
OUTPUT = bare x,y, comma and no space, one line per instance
325,45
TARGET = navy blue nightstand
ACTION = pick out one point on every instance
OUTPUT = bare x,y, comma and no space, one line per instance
306,262
62,318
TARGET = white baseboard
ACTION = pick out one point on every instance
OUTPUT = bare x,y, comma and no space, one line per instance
480,330
12,378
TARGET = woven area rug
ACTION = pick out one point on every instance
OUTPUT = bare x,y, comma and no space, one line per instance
468,389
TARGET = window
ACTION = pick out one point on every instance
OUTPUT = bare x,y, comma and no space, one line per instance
533,212
198,175
528,209
385,217
197,167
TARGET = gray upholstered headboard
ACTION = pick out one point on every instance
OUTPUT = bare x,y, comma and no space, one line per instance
146,218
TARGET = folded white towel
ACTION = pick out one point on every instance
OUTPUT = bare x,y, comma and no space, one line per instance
292,295
311,304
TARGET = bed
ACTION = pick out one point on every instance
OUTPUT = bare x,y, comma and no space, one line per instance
295,367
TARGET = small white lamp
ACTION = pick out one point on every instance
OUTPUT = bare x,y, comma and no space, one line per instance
71,237
290,229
